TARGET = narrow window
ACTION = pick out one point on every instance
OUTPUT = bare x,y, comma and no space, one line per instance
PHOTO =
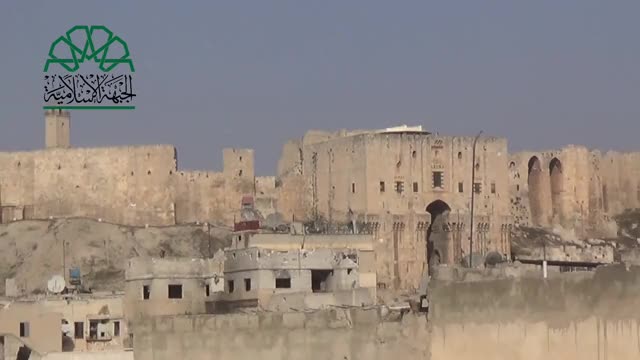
477,188
116,328
146,292
93,329
382,186
283,283
230,285
493,188
24,329
438,179
78,329
247,284
460,187
415,187
175,291
353,188
207,290
399,187
459,155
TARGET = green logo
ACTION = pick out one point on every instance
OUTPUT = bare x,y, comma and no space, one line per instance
72,90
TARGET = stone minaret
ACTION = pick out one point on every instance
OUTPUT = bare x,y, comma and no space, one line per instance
57,129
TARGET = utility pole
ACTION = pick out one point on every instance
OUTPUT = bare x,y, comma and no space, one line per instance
473,192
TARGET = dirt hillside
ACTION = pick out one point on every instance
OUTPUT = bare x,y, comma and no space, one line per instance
32,251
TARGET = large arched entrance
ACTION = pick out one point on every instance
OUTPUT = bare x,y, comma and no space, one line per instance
535,182
555,172
438,234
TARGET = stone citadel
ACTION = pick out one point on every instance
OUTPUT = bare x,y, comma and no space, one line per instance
410,188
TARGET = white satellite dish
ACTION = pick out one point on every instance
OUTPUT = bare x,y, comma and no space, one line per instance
56,284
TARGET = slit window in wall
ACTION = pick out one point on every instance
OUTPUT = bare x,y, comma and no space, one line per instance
283,283
493,188
146,292
459,155
116,328
231,286
438,179
399,187
175,291
78,330
353,188
460,187
415,187
382,187
24,329
207,290
247,284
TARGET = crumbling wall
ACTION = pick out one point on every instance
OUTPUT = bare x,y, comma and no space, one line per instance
582,197
593,315
333,334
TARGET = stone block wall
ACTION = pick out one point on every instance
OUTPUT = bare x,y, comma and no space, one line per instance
334,334
573,316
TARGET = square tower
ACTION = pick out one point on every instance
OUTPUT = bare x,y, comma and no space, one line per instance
57,129
238,163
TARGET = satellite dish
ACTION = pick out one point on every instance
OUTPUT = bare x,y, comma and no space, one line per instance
56,284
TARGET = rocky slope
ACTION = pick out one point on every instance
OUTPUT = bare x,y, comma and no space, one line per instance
32,251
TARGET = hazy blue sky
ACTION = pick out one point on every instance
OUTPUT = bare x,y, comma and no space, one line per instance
213,74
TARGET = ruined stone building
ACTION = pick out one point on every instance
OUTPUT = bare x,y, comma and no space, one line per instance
283,271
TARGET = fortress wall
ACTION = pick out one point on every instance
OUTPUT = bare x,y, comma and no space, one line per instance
130,185
134,185
575,316
200,196
339,166
266,195
292,192
594,187
333,334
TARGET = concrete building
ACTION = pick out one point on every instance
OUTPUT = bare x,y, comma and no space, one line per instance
281,280
78,323
281,272
170,286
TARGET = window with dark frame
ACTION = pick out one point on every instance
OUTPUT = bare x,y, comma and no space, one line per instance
493,188
78,330
415,187
146,292
175,291
399,187
230,286
247,284
207,290
460,187
438,179
24,329
477,188
283,283
382,186
116,328
353,188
